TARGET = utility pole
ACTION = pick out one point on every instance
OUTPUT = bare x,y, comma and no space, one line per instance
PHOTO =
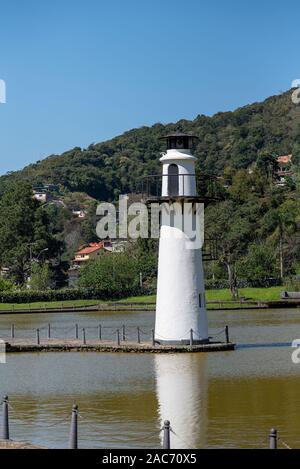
141,280
281,257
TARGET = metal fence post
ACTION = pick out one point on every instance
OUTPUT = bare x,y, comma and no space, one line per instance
73,438
38,337
100,332
118,337
227,334
5,421
138,335
83,336
273,439
166,442
153,337
124,333
49,331
12,331
76,332
191,337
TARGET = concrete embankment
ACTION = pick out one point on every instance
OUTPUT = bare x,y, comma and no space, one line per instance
10,444
69,345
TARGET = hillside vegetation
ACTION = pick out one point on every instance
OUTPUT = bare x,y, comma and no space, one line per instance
255,223
230,139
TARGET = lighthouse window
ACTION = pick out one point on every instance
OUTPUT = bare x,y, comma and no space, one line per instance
173,182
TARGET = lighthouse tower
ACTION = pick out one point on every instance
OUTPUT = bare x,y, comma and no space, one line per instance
180,305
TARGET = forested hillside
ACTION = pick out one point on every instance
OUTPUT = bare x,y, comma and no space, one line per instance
255,223
230,139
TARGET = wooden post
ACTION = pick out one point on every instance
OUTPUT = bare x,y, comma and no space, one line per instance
153,337
83,336
118,337
76,332
49,331
166,442
100,332
12,331
124,333
73,438
273,438
138,335
38,336
191,337
227,334
5,419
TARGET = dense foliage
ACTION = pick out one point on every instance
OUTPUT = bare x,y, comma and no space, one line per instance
255,222
227,139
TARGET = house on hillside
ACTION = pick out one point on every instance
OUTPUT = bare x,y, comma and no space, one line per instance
79,213
84,255
41,195
284,169
90,252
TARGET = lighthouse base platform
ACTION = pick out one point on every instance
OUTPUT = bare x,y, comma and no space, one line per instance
67,345
182,342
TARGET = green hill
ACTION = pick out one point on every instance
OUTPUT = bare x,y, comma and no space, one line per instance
227,139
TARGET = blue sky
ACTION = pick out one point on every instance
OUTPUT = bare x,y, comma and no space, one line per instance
79,72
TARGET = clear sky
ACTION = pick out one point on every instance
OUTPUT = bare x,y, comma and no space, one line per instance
79,72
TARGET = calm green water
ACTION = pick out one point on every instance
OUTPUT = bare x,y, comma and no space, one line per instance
228,399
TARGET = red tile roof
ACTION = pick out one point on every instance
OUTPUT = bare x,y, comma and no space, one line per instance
93,247
284,159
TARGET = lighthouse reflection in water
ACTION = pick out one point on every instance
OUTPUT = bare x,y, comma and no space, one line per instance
181,388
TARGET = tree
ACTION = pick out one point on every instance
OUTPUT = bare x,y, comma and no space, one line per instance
267,163
258,264
232,231
41,276
24,225
278,224
110,271
5,285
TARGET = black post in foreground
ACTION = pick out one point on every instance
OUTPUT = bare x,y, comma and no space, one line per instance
49,331
191,337
38,337
227,334
138,335
73,439
124,333
273,439
76,332
5,422
83,336
153,337
118,337
166,442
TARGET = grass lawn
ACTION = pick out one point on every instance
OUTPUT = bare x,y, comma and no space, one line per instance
267,294
49,304
256,294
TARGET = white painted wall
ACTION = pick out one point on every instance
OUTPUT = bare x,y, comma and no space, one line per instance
186,166
180,274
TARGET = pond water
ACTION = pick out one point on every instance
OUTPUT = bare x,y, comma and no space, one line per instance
215,400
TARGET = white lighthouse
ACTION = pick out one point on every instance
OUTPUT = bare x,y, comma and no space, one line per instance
180,306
